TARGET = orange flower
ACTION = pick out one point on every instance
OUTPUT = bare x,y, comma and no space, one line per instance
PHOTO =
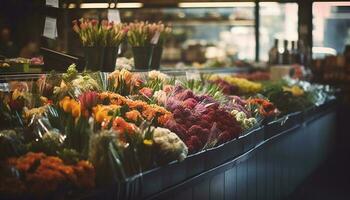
86,174
101,115
149,113
65,104
136,104
114,98
101,112
163,119
76,109
133,115
121,126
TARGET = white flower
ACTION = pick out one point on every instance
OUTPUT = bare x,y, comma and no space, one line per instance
161,97
85,83
240,116
158,75
125,63
170,145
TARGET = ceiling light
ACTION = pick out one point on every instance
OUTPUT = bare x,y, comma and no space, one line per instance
94,5
215,4
129,5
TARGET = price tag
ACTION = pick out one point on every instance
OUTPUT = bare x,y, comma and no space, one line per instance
52,3
50,28
193,75
155,38
114,15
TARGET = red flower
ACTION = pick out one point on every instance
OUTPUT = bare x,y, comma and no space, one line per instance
88,100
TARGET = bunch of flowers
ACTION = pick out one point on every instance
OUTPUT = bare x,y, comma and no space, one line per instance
226,88
150,112
244,86
170,146
93,33
288,98
123,82
239,110
143,33
199,121
42,175
263,107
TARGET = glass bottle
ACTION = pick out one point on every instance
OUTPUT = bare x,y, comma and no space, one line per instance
273,53
285,54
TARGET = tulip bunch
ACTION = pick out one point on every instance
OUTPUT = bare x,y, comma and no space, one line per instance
93,33
143,33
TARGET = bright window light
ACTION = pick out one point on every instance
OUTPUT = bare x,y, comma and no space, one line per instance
215,4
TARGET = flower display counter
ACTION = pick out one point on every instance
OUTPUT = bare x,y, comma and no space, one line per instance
132,135
269,162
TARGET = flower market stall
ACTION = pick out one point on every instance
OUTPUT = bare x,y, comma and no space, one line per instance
132,135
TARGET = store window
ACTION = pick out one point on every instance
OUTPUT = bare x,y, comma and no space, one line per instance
331,31
277,21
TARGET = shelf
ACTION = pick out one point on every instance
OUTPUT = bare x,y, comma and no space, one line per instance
214,22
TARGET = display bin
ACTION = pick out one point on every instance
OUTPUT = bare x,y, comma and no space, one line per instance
271,170
315,112
282,124
245,168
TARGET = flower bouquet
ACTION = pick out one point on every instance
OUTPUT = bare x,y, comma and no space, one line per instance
92,37
116,33
143,37
100,42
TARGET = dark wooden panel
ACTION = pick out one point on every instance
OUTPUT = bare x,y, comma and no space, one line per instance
230,184
242,181
202,190
217,187
269,171
251,176
261,174
183,195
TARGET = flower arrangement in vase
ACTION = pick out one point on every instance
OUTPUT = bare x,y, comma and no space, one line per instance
145,38
100,41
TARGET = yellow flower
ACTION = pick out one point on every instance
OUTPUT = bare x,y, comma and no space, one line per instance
148,142
76,109
101,112
16,94
126,75
295,90
66,105
44,100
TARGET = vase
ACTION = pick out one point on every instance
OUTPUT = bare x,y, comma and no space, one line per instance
142,57
109,59
93,58
156,57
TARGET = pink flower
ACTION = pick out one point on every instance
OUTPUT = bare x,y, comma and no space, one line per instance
94,22
147,92
190,103
88,100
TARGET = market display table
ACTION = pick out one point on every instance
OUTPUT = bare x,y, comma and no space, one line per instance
267,163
